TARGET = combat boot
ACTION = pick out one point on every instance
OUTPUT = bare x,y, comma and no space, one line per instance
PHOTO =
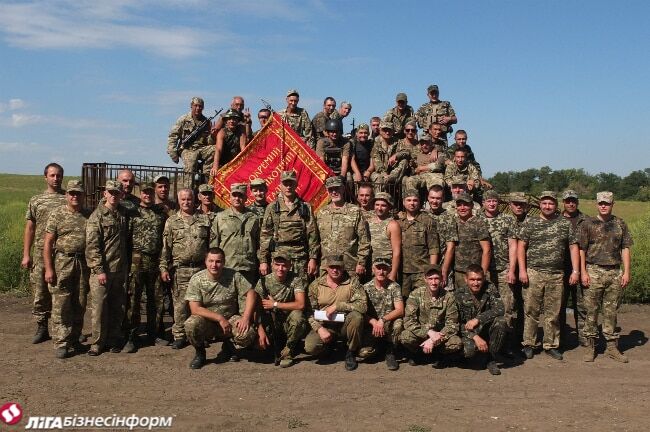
590,351
391,361
350,361
130,346
199,359
62,352
179,343
42,334
612,352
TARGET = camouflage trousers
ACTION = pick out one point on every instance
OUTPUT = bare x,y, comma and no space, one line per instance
69,295
544,294
351,330
291,326
412,341
604,292
576,292
200,330
494,334
394,177
107,310
422,181
411,281
181,279
191,156
392,330
42,305
506,292
144,277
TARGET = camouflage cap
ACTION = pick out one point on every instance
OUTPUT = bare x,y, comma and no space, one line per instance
491,194
382,261
332,182
401,97
436,181
288,176
464,197
197,100
607,197
548,194
113,185
231,113
293,92
412,123
240,188
569,193
364,126
518,197
280,255
148,186
458,179
411,193
161,178
75,186
434,268
205,188
384,196
432,88
334,261
386,125
258,182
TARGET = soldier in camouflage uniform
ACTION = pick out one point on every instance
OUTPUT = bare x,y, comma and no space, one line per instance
447,232
259,190
343,230
385,234
290,226
425,172
202,149
222,303
480,309
230,141
66,271
458,185
329,112
238,232
147,223
571,212
365,197
605,243
420,243
336,292
360,150
107,234
540,252
162,195
399,115
206,202
384,315
460,166
333,149
283,295
460,138
519,208
436,111
127,178
186,238
298,119
38,211
430,321
386,164
244,122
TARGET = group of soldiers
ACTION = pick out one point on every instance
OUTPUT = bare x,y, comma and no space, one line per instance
440,279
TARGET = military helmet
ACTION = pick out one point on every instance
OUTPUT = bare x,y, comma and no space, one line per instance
333,125
231,113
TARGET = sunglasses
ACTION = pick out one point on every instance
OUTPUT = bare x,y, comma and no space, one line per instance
409,130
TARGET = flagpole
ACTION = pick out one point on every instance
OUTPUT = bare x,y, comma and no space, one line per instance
284,137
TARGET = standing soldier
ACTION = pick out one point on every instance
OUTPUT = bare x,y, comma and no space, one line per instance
365,196
385,234
147,223
605,243
333,149
447,232
162,195
298,119
436,111
66,271
187,236
127,178
543,242
229,142
38,211
519,207
289,226
399,115
329,112
343,230
206,202
259,190
238,232
201,149
106,254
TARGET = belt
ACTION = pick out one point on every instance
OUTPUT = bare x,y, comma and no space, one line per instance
72,254
608,267
190,265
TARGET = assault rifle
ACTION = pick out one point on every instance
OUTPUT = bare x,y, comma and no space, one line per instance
187,141
269,318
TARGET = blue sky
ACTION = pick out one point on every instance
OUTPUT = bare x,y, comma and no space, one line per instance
558,83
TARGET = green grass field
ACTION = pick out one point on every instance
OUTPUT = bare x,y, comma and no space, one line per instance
15,191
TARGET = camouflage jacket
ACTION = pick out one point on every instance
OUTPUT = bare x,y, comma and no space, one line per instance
604,241
431,112
469,171
182,128
576,222
501,229
69,229
382,301
470,155
470,234
107,234
333,153
547,242
380,154
186,240
38,211
226,296
485,307
282,292
344,231
419,242
238,235
258,210
300,123
348,296
291,229
147,225
398,120
424,313
319,120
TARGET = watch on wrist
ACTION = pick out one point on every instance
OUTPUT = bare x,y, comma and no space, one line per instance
275,305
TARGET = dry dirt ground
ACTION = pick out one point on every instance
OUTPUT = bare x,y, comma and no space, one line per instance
542,394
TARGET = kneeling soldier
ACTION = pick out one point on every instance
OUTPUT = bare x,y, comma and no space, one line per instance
217,296
482,325
431,321
283,296
385,312
334,293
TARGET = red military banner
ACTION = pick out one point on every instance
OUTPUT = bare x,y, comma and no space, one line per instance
275,148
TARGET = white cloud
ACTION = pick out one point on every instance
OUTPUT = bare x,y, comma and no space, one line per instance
21,120
18,147
12,105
